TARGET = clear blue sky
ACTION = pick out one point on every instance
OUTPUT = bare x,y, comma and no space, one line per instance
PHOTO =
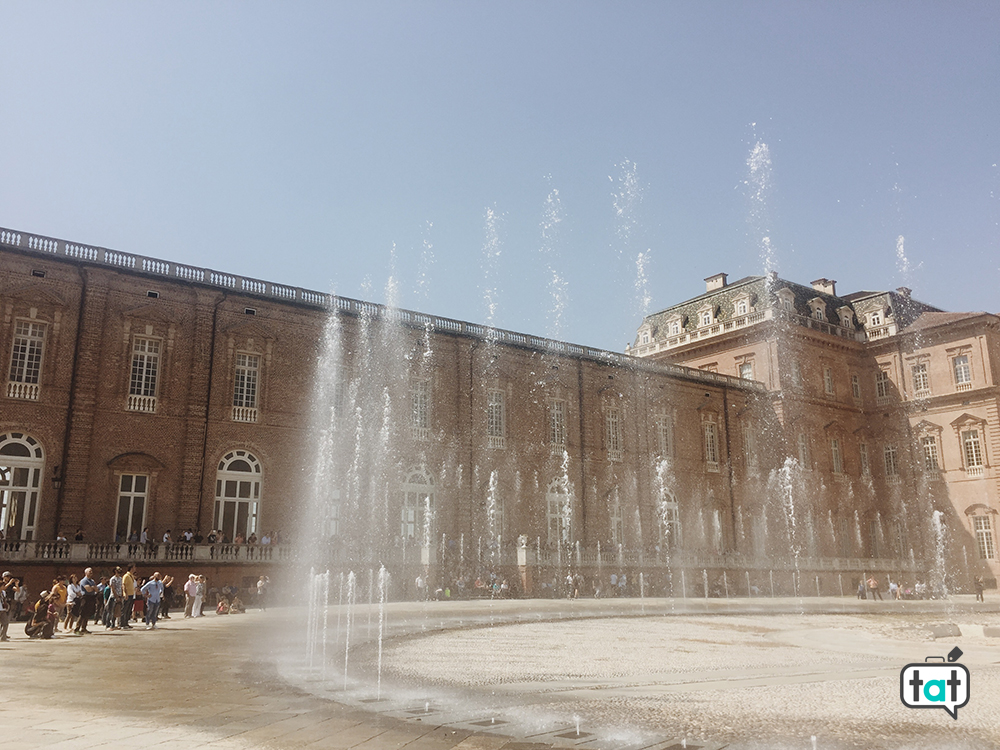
326,144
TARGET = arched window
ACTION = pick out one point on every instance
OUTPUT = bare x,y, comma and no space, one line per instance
417,512
237,494
21,464
559,512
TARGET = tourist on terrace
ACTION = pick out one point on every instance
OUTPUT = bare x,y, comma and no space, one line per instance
166,537
979,585
144,536
874,588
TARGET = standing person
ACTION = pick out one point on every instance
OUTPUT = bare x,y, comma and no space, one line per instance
153,593
979,585
61,592
144,536
190,589
168,596
9,587
116,600
262,592
20,597
861,589
74,602
873,587
199,596
128,588
893,590
89,586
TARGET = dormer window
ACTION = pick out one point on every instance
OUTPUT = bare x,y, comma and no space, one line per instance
875,318
787,297
817,309
674,327
742,307
706,317
645,337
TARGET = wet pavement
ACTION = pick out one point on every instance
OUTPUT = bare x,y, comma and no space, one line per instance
512,675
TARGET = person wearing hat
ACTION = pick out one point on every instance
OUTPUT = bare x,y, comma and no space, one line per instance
9,586
190,589
43,621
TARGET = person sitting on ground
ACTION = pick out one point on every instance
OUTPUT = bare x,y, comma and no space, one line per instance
43,621
237,607
223,606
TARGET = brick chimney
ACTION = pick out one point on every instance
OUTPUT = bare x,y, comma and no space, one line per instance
715,282
827,286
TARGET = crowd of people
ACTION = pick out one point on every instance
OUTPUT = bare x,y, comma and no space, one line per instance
73,604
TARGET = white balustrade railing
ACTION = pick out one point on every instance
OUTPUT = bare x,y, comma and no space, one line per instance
145,404
25,391
244,414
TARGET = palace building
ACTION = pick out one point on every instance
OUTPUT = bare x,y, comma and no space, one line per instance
762,434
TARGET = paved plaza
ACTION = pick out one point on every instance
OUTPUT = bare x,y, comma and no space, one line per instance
516,675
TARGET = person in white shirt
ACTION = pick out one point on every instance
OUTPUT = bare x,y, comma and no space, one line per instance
190,590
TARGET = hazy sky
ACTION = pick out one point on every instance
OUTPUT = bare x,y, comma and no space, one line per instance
519,154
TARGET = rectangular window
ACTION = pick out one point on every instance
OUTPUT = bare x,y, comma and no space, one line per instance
805,457
856,387
796,374
664,436
420,408
557,425
145,369
963,374
838,463
711,445
132,495
828,381
26,360
559,518
930,449
921,379
972,450
496,428
245,388
984,537
866,468
882,386
891,461
746,370
613,434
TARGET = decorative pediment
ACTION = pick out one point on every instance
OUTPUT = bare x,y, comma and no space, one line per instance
923,427
979,509
251,329
864,432
135,463
153,313
35,294
836,427
967,420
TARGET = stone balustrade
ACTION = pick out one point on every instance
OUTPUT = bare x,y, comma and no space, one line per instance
51,247
109,553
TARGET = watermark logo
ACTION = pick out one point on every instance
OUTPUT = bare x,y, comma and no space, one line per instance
936,683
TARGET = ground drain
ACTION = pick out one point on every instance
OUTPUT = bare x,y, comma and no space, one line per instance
487,723
574,735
